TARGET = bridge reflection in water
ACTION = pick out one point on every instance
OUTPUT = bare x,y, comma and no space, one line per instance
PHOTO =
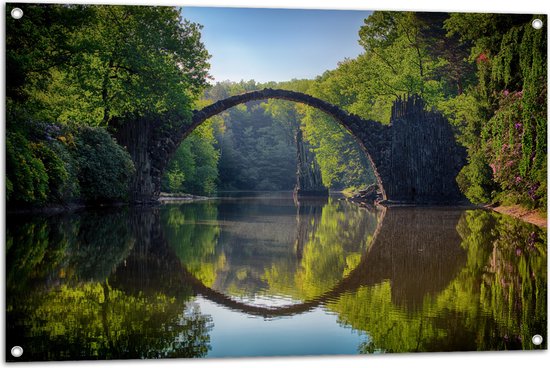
124,284
418,259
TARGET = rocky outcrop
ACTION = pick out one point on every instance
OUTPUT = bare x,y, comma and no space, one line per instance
367,197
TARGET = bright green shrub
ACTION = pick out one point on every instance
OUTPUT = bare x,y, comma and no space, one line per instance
475,180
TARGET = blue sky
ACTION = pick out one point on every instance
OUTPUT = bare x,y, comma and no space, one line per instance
276,44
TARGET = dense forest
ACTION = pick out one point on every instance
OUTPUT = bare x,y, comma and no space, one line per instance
67,88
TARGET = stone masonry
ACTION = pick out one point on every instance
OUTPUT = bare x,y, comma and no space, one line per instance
415,158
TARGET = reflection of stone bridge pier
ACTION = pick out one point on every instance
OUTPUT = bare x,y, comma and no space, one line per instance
415,249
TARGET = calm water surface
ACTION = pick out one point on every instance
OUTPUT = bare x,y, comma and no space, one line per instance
261,275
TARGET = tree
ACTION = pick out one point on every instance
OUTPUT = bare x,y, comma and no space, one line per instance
88,65
509,128
194,167
122,60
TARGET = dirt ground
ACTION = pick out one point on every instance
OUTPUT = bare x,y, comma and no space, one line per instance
532,216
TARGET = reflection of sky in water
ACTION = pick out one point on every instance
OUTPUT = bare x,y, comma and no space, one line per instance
313,333
268,301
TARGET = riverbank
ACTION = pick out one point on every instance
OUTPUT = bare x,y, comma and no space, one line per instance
367,198
177,197
532,216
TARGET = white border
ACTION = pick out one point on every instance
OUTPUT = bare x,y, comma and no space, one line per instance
424,360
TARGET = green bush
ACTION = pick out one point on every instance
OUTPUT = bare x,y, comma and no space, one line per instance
26,175
69,189
475,180
55,169
104,167
194,167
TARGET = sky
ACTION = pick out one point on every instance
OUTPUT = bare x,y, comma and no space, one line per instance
276,44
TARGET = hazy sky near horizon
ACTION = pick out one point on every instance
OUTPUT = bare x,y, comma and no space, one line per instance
276,44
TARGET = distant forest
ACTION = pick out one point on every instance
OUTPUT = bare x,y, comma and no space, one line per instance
252,146
67,87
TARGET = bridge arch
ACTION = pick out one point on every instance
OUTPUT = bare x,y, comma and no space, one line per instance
415,158
348,121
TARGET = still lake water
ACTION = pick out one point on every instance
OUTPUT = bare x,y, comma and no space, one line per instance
264,276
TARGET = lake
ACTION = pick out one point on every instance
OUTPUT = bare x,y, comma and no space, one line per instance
262,275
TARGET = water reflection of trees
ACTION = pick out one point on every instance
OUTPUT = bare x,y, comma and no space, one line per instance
192,232
331,240
495,301
109,284
256,249
75,290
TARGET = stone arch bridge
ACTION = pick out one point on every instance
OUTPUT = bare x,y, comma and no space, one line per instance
415,158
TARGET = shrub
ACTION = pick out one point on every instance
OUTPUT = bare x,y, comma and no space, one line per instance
55,169
475,180
104,167
26,176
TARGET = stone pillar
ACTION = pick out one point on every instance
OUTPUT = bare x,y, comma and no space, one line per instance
423,159
133,135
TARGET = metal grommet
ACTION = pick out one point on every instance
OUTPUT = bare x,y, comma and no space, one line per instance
537,339
537,23
16,13
17,351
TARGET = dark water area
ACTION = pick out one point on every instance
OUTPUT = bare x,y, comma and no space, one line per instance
257,274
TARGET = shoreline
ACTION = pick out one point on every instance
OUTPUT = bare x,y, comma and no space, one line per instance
179,197
534,217
531,216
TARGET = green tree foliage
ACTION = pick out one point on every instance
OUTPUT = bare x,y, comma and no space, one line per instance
485,72
87,65
343,163
102,62
405,53
194,167
259,154
509,127
257,145
255,141
27,180
66,165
